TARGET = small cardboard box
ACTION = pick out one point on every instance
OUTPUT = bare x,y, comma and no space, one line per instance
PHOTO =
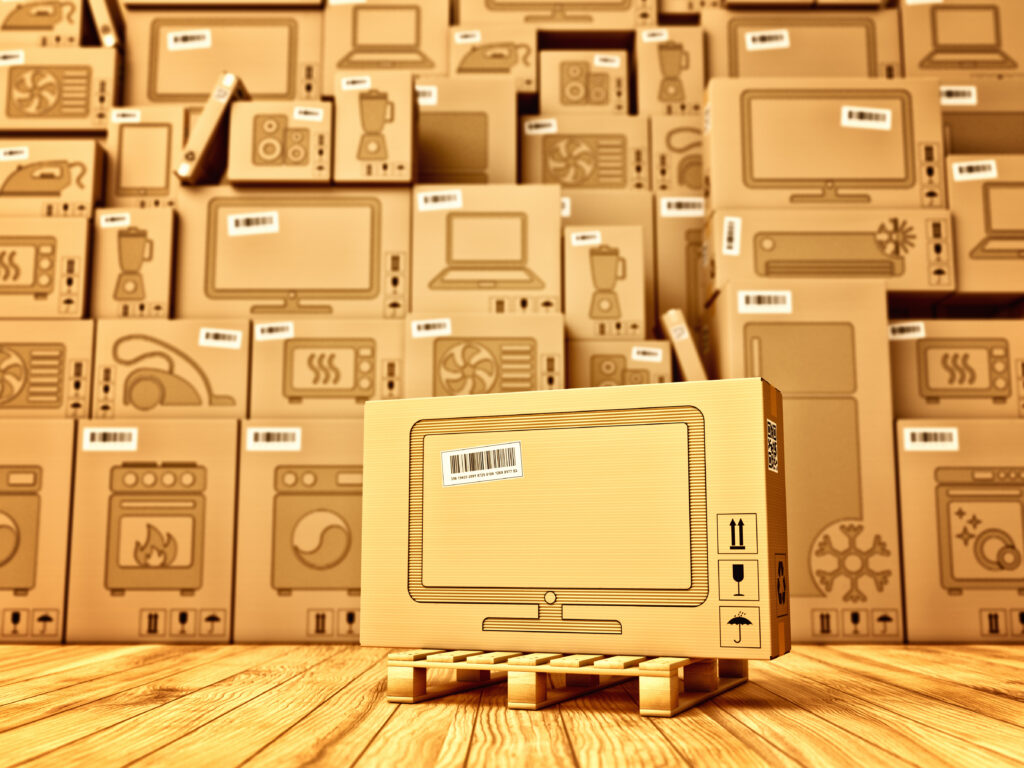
963,529
171,369
49,368
487,248
308,368
677,160
614,362
278,250
983,115
684,345
374,128
174,56
954,369
204,155
50,177
986,196
28,25
143,144
299,532
669,70
618,463
152,547
46,261
57,90
560,15
35,493
132,262
795,43
376,35
577,82
471,354
823,143
466,130
604,283
823,343
497,50
280,142
679,227
581,152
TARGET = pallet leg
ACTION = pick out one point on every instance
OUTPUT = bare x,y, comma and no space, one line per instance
701,675
659,695
407,682
527,690
733,668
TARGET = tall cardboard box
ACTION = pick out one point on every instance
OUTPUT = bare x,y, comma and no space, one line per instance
557,16
45,267
472,354
50,177
669,70
983,115
823,343
963,529
578,81
132,262
679,229
35,511
487,248
605,283
142,147
617,463
280,142
374,128
45,369
308,368
281,250
152,546
684,345
25,25
614,362
677,159
496,50
299,532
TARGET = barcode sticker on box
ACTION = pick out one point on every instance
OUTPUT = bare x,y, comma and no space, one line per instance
590,237
732,229
467,36
115,220
566,207
654,35
765,302
11,58
356,83
958,95
540,126
125,116
425,329
308,114
682,207
259,223
482,464
931,439
767,40
906,331
189,40
220,338
975,170
273,439
282,329
869,118
13,153
646,354
439,200
773,445
607,60
426,95
678,332
110,439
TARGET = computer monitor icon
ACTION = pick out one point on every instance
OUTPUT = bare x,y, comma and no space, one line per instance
486,250
966,37
386,36
1004,228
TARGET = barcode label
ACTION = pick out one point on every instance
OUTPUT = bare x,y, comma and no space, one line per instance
425,329
276,439
284,329
11,58
654,35
906,331
357,83
259,223
870,118
566,207
958,95
682,207
607,60
441,200
678,332
125,116
426,95
467,36
110,439
646,354
115,220
189,40
975,170
773,446
308,114
482,464
765,302
931,439
590,237
732,228
540,127
220,338
15,153
767,40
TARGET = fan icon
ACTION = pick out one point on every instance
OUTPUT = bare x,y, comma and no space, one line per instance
571,160
13,373
895,237
34,91
467,368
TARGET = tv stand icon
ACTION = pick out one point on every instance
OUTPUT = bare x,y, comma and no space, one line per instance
291,305
830,194
551,619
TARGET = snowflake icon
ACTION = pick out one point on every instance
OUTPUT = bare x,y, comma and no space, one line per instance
852,563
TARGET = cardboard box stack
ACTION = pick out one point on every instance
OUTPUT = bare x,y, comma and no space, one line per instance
225,226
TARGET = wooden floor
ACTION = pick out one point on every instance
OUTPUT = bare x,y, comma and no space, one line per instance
290,705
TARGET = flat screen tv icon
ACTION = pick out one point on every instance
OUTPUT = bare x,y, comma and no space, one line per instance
966,37
1004,225
486,250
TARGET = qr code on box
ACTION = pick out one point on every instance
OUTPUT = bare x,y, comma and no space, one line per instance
773,446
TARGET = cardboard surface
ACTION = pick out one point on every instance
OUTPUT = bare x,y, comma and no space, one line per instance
571,14
975,37
605,283
48,366
48,264
299,525
684,345
143,144
374,128
205,151
35,510
27,25
497,50
679,227
280,142
963,529
132,262
584,82
614,362
677,159
982,115
669,70
49,177
152,543
616,463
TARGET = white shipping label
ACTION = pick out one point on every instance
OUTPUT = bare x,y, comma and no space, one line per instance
467,36
958,95
922,2
772,432
646,354
654,35
110,439
189,40
308,114
767,40
868,118
682,207
732,229
13,153
439,200
566,207
931,439
220,338
590,237
425,329
906,331
11,58
607,60
975,170
273,439
482,464
345,2
540,126
356,83
125,116
115,220
426,95
258,223
765,302
282,329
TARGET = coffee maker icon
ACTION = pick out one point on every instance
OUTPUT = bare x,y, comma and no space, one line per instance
672,60
134,248
607,267
375,111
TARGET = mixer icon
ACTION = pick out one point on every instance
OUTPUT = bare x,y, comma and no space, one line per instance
672,60
607,267
134,248
375,111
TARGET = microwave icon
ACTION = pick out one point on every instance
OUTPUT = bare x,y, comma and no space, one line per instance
329,368
27,266
48,91
964,368
19,526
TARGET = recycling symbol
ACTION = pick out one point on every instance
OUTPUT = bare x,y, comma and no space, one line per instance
780,583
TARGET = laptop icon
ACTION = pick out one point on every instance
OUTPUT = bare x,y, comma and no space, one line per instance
966,37
486,250
385,36
1004,227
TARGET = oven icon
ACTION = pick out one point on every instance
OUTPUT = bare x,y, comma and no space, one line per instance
974,368
19,526
329,368
981,527
155,527
317,527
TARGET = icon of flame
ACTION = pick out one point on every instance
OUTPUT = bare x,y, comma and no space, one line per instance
158,551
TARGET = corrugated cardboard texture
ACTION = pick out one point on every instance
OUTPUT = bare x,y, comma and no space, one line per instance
669,70
611,362
982,114
132,261
604,283
584,82
684,345
374,128
559,17
49,368
677,155
49,177
24,26
143,144
280,141
679,226
497,50
50,267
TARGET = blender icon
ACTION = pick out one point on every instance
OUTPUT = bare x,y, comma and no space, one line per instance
672,60
606,269
375,111
134,248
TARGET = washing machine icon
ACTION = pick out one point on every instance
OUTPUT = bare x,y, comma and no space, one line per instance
19,526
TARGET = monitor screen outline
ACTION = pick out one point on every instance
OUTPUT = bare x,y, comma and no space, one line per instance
990,228
939,45
369,10
738,26
450,251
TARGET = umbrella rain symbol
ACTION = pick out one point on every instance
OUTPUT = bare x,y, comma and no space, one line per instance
740,621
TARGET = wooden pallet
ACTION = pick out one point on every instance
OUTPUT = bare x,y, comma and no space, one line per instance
537,680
